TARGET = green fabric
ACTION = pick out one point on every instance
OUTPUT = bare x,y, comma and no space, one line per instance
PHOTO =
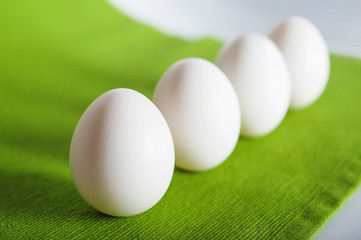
56,57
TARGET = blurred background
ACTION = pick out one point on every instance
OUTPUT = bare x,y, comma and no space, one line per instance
338,20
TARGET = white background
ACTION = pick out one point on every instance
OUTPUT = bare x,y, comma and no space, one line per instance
339,21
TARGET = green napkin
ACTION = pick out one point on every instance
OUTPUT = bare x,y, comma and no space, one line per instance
56,57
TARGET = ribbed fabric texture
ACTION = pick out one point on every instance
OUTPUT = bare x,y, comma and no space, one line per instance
56,57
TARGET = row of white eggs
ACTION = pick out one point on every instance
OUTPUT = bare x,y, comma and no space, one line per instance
124,147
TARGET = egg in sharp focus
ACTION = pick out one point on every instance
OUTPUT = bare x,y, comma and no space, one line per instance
259,74
307,57
122,154
202,111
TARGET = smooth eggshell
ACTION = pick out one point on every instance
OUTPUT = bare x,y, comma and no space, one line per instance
259,74
307,57
202,111
122,154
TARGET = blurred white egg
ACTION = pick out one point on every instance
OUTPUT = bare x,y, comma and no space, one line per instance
122,154
202,111
259,74
307,57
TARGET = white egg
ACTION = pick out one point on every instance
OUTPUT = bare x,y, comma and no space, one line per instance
259,74
307,57
202,111
122,154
